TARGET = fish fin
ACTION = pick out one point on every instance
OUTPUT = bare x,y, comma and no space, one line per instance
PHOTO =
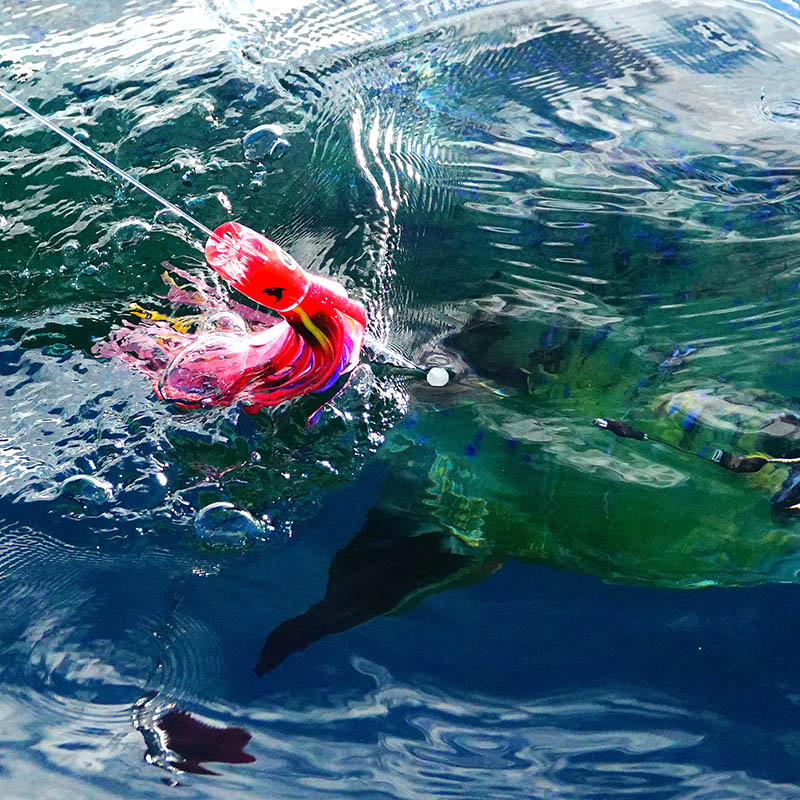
385,567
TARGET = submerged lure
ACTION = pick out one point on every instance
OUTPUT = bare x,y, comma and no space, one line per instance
318,339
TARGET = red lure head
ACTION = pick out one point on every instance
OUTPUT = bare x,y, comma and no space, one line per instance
256,267
264,272
318,340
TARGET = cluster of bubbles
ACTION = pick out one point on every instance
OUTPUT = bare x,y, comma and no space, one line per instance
263,146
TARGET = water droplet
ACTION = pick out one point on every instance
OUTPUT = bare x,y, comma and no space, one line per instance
87,489
223,525
265,142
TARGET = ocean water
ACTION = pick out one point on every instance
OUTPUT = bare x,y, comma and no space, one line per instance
582,210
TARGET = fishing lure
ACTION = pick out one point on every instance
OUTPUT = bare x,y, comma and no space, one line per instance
251,357
317,339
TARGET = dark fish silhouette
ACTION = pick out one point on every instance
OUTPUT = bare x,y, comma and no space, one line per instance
514,468
385,568
197,742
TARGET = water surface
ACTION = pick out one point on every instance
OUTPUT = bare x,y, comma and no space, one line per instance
583,210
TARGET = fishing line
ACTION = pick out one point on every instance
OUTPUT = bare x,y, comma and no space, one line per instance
107,164
436,376
84,148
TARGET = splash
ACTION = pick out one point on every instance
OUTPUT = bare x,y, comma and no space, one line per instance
318,340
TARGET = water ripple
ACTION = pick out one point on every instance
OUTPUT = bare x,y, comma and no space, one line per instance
436,744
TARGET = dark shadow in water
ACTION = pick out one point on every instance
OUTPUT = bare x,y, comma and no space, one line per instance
386,567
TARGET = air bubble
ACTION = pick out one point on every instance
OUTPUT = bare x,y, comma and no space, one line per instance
206,370
71,252
265,142
223,321
225,526
129,232
87,489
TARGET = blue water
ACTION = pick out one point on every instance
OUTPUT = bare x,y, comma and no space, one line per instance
582,210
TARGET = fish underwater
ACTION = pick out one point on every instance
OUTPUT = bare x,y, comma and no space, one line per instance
576,302
504,471
595,277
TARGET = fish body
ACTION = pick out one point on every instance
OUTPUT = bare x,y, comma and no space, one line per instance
507,467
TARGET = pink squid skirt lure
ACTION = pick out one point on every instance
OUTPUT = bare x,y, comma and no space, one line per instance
248,357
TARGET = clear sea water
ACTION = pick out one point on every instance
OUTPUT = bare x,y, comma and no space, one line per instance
583,210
